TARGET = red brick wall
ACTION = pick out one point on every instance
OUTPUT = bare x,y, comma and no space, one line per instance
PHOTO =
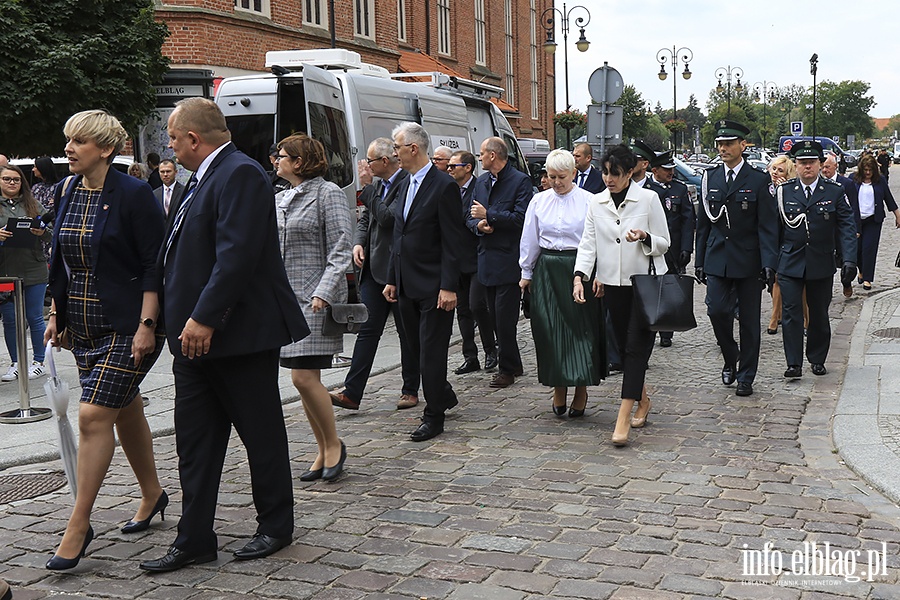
211,32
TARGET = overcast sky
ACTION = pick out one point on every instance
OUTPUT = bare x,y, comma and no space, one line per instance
854,40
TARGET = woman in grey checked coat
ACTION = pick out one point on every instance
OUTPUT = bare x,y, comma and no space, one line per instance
314,228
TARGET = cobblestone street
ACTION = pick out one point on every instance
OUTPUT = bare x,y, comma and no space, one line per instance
513,503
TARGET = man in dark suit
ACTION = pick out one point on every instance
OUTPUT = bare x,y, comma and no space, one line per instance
154,179
830,171
472,306
814,214
424,268
679,217
502,194
170,192
228,309
372,254
587,176
737,239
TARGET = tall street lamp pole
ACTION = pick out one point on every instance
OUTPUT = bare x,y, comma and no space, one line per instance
726,74
813,68
663,55
548,20
762,90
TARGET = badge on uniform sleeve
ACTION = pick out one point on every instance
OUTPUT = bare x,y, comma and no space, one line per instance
771,188
826,216
745,205
668,204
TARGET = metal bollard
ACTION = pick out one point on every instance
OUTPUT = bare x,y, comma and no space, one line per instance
25,413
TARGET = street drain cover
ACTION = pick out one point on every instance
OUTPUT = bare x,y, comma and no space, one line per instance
29,485
890,332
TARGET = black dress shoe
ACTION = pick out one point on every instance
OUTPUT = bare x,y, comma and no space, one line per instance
665,342
160,507
426,431
469,366
311,475
614,367
261,545
729,372
58,563
819,369
331,473
491,361
744,389
175,559
793,372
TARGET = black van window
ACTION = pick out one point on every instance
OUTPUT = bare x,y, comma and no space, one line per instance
252,134
329,126
515,157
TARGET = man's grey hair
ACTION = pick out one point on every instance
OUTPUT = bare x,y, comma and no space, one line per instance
413,133
443,152
498,146
383,147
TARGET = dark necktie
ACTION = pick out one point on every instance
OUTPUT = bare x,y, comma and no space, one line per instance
179,216
730,179
384,188
808,193
581,178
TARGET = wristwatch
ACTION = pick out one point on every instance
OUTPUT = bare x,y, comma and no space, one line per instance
147,321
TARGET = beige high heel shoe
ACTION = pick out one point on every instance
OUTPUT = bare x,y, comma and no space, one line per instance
639,421
623,422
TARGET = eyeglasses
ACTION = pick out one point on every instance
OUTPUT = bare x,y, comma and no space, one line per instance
11,179
455,165
398,146
371,160
436,159
278,157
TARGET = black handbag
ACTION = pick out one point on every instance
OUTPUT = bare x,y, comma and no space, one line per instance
344,318
666,301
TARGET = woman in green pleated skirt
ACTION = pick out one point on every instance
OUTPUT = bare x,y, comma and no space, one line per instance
569,338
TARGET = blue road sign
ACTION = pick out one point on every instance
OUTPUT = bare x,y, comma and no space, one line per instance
796,127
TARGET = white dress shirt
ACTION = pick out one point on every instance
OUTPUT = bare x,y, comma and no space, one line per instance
553,222
866,200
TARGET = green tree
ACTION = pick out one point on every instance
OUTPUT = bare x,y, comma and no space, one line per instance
634,113
892,126
63,56
843,108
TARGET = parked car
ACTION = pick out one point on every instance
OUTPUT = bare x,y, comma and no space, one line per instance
690,177
698,158
62,165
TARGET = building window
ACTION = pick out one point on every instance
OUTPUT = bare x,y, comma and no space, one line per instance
510,52
260,7
315,12
364,17
480,26
401,20
443,26
535,105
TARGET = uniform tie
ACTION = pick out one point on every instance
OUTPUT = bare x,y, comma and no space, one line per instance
808,193
730,178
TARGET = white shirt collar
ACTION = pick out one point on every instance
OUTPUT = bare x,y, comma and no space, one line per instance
204,166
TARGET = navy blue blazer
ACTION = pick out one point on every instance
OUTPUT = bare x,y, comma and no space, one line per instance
128,231
594,182
224,268
468,256
425,253
505,203
852,194
882,196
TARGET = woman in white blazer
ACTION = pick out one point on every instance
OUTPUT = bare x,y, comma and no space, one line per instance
625,228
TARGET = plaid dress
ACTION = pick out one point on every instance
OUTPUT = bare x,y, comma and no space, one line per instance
106,371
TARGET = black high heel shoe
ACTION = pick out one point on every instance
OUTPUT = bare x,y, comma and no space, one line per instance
160,507
58,563
559,411
311,475
331,473
577,412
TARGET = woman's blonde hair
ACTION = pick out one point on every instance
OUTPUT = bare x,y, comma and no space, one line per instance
790,170
97,126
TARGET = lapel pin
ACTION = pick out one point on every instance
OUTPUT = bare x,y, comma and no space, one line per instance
106,207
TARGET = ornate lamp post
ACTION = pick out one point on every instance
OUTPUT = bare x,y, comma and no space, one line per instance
762,90
726,74
548,20
813,69
663,55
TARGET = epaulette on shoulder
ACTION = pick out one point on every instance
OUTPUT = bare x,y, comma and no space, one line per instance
834,183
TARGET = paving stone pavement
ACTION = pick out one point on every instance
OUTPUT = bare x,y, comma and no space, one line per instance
514,503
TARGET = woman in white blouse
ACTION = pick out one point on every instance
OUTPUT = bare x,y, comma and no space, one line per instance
568,337
625,228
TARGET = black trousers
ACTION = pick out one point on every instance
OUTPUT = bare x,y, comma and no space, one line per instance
504,301
720,296
631,333
211,395
428,331
471,309
867,247
818,333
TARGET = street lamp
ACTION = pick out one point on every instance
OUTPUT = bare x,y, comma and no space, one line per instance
762,90
548,20
726,73
813,68
662,56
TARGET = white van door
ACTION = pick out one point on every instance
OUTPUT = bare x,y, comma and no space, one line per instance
326,121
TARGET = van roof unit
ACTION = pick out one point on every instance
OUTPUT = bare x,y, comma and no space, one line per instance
327,58
464,87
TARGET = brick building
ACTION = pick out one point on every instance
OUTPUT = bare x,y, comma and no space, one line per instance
495,41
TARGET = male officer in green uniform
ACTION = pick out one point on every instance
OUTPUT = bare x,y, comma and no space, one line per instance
815,215
676,201
737,239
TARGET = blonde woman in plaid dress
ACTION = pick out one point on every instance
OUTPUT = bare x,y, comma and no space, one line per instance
103,279
314,228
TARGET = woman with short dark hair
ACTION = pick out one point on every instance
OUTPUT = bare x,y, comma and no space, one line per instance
874,195
624,231
314,228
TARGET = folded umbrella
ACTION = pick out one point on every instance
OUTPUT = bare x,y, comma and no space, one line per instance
58,392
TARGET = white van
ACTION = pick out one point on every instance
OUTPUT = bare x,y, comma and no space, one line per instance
344,103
